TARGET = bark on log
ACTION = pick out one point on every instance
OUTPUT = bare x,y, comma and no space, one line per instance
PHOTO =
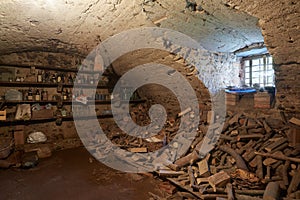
229,191
294,182
272,191
250,136
259,171
240,163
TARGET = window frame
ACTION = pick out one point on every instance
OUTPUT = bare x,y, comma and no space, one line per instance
264,71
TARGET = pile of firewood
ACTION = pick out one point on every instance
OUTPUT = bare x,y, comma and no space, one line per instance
255,158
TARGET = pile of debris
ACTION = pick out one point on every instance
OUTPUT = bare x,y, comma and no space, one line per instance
255,158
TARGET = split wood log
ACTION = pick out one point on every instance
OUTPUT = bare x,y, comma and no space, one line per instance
250,192
250,136
191,176
267,127
280,148
259,171
240,163
188,189
276,144
190,158
279,156
285,173
246,197
253,162
295,181
272,191
250,144
268,175
218,179
229,190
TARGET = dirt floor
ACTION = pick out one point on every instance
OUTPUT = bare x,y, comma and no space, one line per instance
73,174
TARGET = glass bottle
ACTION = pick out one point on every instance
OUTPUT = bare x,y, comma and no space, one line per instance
30,95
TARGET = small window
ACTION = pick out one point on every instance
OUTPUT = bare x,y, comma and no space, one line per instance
259,71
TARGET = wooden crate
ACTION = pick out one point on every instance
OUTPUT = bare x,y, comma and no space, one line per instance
232,99
262,100
42,114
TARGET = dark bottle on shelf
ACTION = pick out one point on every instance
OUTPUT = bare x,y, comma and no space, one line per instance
70,79
44,95
30,95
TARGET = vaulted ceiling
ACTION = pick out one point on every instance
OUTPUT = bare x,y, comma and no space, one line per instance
78,26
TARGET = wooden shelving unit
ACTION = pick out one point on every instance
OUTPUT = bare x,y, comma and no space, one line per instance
100,85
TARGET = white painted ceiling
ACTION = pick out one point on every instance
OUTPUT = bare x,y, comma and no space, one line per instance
79,25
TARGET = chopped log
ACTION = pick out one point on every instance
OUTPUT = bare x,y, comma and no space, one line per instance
250,144
229,191
172,180
250,192
256,130
279,156
174,167
269,161
250,136
253,162
191,176
189,159
249,155
285,172
246,197
272,191
240,163
218,179
295,121
226,137
169,173
235,118
295,181
259,171
212,196
275,144
267,127
204,168
280,148
268,175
